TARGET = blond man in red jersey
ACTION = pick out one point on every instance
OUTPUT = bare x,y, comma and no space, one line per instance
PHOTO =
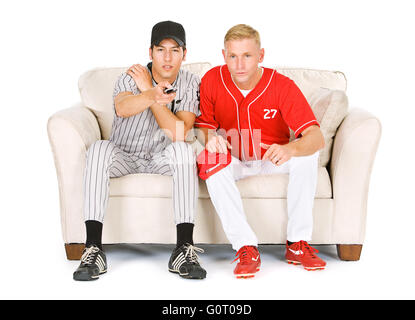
247,110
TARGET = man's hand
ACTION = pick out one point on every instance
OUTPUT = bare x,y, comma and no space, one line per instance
141,77
277,154
158,94
218,144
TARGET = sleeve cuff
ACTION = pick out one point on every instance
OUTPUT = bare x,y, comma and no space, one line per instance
191,109
305,126
205,125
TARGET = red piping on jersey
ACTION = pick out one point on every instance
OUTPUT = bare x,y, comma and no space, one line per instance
249,117
237,112
295,133
206,124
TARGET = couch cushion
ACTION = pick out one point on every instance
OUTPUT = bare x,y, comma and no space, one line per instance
330,108
264,186
325,92
309,81
96,87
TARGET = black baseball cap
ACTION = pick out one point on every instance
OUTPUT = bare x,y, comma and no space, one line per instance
168,30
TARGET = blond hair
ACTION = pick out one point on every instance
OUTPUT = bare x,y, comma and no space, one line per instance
242,31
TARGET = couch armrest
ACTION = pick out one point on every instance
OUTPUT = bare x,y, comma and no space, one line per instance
71,132
354,150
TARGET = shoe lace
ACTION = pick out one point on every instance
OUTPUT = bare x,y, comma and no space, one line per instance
89,255
307,249
191,255
245,255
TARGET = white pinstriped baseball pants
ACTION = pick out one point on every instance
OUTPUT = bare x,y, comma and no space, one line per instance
227,201
105,160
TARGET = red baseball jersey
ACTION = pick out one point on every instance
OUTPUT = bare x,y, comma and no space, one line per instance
264,115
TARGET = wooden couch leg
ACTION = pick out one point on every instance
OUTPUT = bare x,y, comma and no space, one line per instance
74,250
349,252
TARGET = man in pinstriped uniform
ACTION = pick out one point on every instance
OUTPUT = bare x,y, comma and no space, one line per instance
148,133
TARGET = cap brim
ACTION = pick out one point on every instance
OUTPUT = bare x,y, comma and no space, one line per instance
179,42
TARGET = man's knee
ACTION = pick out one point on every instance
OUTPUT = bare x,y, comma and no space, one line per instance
182,153
99,151
310,161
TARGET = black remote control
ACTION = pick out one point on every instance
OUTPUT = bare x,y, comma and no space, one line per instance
169,90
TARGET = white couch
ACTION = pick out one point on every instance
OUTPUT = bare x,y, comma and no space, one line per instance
140,205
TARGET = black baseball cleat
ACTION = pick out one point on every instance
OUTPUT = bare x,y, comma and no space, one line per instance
93,264
185,262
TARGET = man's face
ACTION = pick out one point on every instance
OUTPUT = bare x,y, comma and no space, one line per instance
242,58
167,58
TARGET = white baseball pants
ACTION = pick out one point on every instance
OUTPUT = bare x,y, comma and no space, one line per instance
105,160
227,200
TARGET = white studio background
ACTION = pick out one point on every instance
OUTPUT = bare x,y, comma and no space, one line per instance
46,45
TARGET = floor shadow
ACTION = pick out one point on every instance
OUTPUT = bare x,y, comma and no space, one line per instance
327,251
217,252
275,251
139,249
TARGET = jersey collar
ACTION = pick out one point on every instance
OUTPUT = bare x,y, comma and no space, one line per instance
235,91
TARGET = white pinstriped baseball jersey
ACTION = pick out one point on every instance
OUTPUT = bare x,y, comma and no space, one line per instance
140,134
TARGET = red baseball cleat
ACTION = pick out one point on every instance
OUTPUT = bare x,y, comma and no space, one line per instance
302,253
249,262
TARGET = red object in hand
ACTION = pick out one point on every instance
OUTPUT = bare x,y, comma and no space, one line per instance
209,163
